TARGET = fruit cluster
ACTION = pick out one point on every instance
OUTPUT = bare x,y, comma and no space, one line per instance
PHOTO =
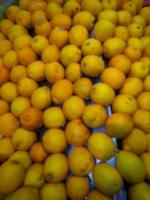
62,64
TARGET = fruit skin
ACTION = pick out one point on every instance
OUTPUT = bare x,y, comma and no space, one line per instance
9,91
71,7
94,7
50,53
53,191
112,181
130,166
96,195
77,187
80,161
101,146
4,75
135,142
4,107
144,101
34,176
11,176
146,160
56,168
73,72
139,191
145,13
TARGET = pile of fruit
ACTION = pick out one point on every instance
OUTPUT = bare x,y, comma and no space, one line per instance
63,63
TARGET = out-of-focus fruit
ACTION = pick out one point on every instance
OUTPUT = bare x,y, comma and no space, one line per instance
124,17
5,46
4,75
144,101
54,140
139,70
43,29
73,72
146,160
135,30
135,43
22,41
53,9
39,43
23,18
80,161
145,12
94,7
50,54
10,59
147,83
5,26
130,166
38,17
109,14
6,149
4,107
71,7
55,168
130,6
11,12
109,175
122,32
96,195
62,21
9,91
17,73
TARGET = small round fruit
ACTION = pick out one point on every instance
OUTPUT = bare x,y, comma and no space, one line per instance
17,73
4,75
11,12
102,94
9,91
144,101
39,43
122,32
61,20
76,132
147,83
41,98
35,70
31,118
130,167
109,15
94,7
124,17
145,13
73,72
23,18
101,146
53,117
5,46
55,168
38,17
112,180
53,9
139,69
71,7
97,195
135,30
119,125
43,29
80,161
22,41
133,54
10,59
54,140
92,65
4,107
73,107
146,160
50,54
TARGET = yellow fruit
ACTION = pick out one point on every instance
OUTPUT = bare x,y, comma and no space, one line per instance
109,14
139,70
71,7
131,7
144,101
34,176
53,117
102,94
61,20
4,107
141,120
53,191
84,18
6,149
21,157
37,152
41,98
50,54
43,29
35,70
82,87
135,43
103,30
8,124
23,18
130,166
24,4
73,107
96,195
61,90
139,19
15,31
22,41
5,75
135,30
39,43
36,5
5,46
92,46
18,105
23,139
94,7
54,71
5,26
147,83
145,13
135,142
11,12
24,193
133,54
113,77
94,115
17,73
113,46
112,181
76,132
92,65
9,91
119,125
54,140
53,9
80,161
77,187
26,87
55,168
31,118
78,39
146,160
38,17
73,72
58,37
11,176
121,62
139,191
147,30
109,4
2,36
124,17
145,40
122,32
132,86
101,146
70,53
125,103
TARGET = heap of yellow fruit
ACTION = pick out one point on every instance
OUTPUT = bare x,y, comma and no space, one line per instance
63,63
